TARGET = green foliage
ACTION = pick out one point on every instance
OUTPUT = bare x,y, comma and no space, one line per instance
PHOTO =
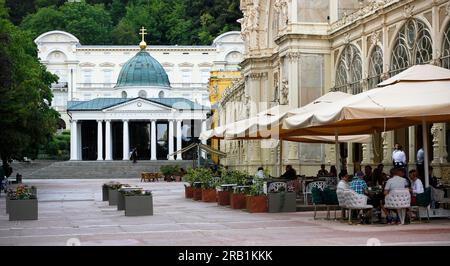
203,175
26,119
257,188
190,176
58,147
183,22
233,177
168,170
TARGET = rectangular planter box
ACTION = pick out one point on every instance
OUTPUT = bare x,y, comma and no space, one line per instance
120,201
209,195
237,201
188,192
104,193
282,202
197,194
7,204
223,198
257,204
138,205
113,196
23,210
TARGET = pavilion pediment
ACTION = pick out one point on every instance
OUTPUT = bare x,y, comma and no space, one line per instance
139,105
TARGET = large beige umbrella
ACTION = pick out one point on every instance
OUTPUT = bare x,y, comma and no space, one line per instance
419,95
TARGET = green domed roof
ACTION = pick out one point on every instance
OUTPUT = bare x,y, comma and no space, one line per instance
142,70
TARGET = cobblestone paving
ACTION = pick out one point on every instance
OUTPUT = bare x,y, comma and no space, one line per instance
71,210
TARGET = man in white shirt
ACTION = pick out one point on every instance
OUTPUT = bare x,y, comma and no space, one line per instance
395,182
343,183
399,156
416,184
260,173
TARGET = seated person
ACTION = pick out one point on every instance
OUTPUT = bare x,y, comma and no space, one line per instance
358,184
322,172
433,180
368,175
393,183
416,185
260,173
290,173
333,171
343,182
379,177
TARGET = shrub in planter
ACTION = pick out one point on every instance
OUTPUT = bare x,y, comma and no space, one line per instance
138,203
238,197
22,204
121,195
256,199
168,171
223,197
190,177
205,176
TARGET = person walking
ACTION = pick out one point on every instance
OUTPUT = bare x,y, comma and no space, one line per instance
134,155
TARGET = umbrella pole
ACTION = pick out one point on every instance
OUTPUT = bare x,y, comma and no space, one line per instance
425,150
280,169
336,150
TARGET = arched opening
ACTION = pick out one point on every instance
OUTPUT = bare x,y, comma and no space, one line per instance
445,58
375,67
124,94
161,94
349,71
142,94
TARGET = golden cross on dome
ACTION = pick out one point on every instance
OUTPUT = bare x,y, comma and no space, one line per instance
143,32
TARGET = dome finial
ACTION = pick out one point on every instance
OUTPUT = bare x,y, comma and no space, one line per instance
143,44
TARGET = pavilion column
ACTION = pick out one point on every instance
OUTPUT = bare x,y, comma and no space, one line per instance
153,141
388,147
74,141
79,142
350,159
126,141
411,146
203,141
171,139
108,141
179,140
440,155
367,153
99,140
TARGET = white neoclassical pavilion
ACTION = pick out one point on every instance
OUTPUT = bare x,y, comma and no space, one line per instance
118,122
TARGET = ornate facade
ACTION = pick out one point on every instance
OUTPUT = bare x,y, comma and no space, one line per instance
297,50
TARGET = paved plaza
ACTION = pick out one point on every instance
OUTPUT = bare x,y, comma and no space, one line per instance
72,209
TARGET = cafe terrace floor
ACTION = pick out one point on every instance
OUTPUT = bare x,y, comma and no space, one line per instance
71,212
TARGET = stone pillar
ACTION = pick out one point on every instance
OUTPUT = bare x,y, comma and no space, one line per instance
171,139
293,83
179,139
203,141
126,141
439,146
350,159
74,141
153,141
412,146
293,152
79,142
108,140
99,140
388,147
368,155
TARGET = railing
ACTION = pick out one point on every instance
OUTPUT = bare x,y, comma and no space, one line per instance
60,85
95,85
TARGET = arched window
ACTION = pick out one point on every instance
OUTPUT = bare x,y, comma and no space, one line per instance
349,71
161,94
124,94
375,67
142,94
412,46
445,59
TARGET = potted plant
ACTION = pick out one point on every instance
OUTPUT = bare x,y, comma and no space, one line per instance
190,178
113,193
238,195
23,204
105,189
256,199
208,184
281,200
168,171
225,187
138,203
121,196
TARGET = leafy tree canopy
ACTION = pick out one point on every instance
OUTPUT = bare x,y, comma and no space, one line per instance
26,120
183,22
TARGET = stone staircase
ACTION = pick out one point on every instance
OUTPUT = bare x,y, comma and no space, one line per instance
92,169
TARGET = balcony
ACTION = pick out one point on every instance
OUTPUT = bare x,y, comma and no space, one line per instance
95,85
60,85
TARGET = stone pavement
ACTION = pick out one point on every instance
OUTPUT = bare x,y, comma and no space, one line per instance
72,209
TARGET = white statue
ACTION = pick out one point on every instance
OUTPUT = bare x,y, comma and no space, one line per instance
284,92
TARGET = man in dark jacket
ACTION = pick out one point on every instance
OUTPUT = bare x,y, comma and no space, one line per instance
290,173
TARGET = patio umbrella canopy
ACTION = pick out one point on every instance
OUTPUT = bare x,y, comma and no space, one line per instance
419,95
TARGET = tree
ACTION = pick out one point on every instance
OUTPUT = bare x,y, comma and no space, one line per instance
26,120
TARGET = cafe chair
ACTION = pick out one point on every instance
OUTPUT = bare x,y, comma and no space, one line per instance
355,201
277,186
317,184
422,200
399,199
341,199
331,200
317,200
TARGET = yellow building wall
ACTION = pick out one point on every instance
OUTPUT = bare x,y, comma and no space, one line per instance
219,81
